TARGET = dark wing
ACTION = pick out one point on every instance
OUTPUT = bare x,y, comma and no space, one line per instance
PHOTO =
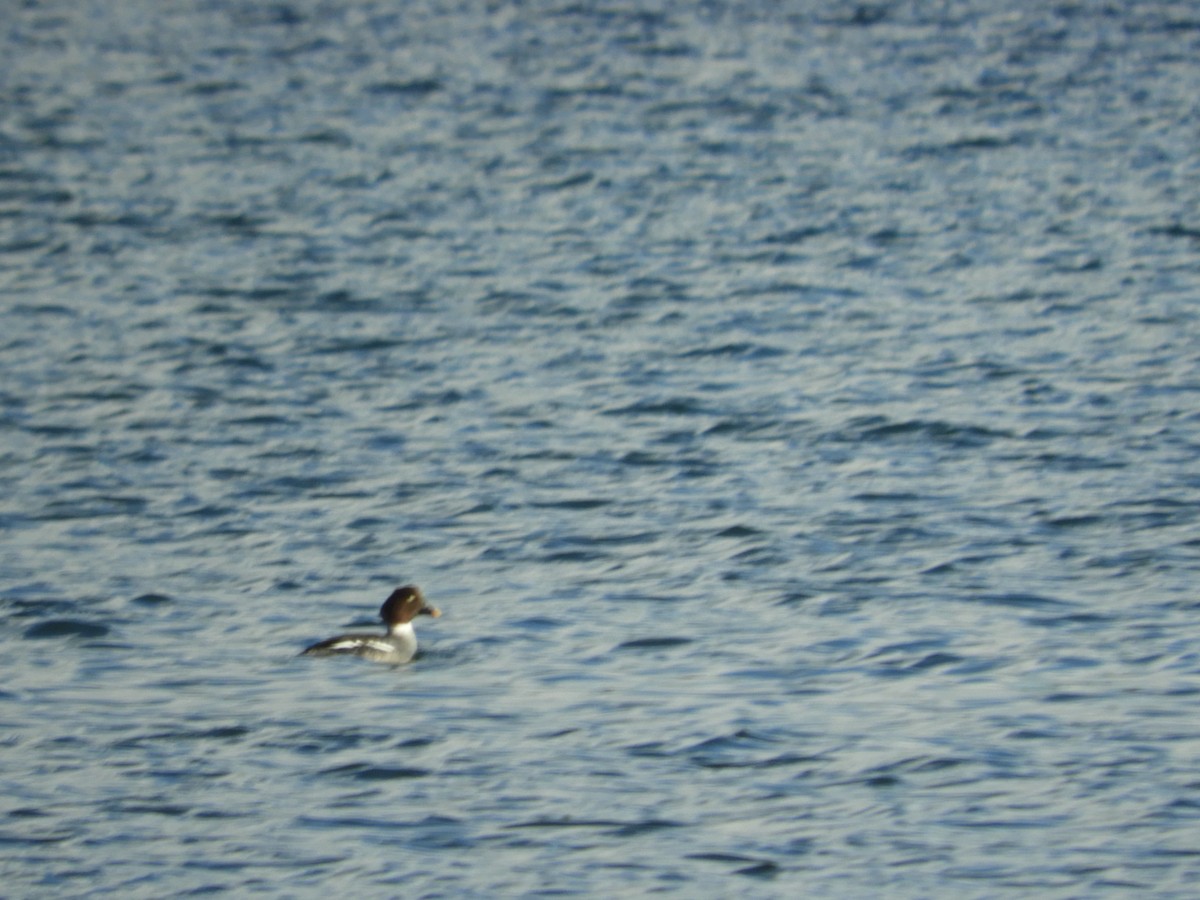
346,643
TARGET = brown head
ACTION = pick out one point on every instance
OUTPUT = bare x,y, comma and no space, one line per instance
404,605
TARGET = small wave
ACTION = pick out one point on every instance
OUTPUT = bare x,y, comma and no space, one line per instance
367,772
653,643
60,628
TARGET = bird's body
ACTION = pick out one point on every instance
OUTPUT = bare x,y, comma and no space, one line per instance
397,646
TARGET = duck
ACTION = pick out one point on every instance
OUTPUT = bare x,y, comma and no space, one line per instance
397,646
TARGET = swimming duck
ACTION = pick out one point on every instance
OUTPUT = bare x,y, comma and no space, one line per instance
398,646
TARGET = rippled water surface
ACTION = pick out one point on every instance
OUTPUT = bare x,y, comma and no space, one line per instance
792,407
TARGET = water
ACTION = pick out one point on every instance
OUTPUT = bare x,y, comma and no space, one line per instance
793,413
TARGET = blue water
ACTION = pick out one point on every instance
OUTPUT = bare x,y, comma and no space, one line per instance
793,408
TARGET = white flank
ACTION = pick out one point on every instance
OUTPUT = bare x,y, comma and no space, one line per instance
360,644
